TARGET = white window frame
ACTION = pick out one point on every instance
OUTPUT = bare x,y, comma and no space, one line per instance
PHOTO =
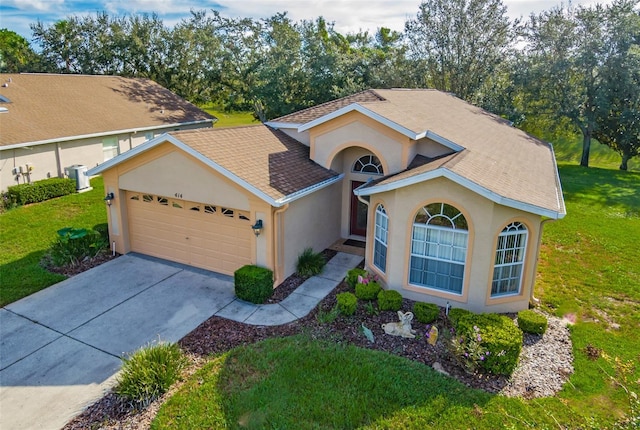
110,147
508,268
436,244
381,237
366,161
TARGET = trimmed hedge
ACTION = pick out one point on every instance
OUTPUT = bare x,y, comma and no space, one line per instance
499,335
253,284
389,300
532,322
352,276
368,291
455,314
426,312
40,191
347,303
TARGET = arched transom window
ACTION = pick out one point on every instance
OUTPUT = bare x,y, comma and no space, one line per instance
439,248
368,164
509,261
381,235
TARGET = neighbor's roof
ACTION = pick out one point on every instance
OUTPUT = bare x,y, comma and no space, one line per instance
490,156
262,160
51,107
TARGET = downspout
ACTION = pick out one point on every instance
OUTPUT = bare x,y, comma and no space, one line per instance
532,298
276,244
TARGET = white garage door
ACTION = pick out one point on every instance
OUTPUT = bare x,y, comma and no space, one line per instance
198,234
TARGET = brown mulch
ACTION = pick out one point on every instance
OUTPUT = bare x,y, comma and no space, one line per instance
218,335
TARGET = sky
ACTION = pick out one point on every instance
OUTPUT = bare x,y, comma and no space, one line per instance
347,15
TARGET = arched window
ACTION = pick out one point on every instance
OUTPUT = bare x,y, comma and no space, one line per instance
381,235
368,164
439,248
509,261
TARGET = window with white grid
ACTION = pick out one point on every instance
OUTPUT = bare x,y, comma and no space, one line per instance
509,260
439,248
381,235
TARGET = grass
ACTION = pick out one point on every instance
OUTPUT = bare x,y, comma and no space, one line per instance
229,119
27,232
588,268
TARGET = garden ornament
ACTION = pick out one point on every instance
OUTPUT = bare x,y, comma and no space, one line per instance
402,328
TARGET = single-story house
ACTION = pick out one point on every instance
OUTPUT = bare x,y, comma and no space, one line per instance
50,122
449,198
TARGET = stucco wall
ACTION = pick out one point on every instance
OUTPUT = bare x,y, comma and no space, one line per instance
486,220
354,129
312,221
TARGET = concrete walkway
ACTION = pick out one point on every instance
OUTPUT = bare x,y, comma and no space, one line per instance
60,349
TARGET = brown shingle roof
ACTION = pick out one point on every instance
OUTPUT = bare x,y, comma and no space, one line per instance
316,112
267,159
497,157
49,106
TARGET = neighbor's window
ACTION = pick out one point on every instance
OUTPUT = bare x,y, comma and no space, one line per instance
109,147
439,248
381,235
368,164
509,261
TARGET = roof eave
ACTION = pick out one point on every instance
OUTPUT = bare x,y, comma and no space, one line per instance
462,181
108,133
309,190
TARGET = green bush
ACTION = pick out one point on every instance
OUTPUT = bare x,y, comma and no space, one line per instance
310,263
389,300
498,335
352,276
347,303
40,191
530,321
75,244
253,284
368,291
149,372
455,314
426,312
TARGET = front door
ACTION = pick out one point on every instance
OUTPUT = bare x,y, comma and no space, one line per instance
358,224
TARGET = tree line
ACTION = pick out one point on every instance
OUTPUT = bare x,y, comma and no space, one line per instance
568,68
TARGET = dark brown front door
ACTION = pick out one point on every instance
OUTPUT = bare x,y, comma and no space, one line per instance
358,224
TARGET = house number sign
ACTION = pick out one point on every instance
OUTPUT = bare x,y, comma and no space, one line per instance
178,195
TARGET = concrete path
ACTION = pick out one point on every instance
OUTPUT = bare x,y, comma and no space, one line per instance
60,348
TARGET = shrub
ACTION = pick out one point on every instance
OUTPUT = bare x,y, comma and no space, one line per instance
368,291
75,244
389,300
253,284
40,191
498,335
426,312
347,303
469,351
352,276
530,321
310,263
327,317
149,372
455,314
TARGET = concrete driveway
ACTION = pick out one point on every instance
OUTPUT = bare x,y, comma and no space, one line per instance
61,347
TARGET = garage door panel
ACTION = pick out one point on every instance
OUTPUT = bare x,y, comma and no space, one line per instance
175,232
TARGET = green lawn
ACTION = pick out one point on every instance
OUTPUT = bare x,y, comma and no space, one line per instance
26,233
229,119
588,267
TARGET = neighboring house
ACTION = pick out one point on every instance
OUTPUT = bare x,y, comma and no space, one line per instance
449,198
50,122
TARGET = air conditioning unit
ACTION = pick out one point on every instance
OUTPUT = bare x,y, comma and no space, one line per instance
78,172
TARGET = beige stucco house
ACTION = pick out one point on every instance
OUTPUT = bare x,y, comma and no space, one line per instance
449,198
50,122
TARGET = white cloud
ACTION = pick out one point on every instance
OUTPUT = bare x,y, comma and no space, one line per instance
33,5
